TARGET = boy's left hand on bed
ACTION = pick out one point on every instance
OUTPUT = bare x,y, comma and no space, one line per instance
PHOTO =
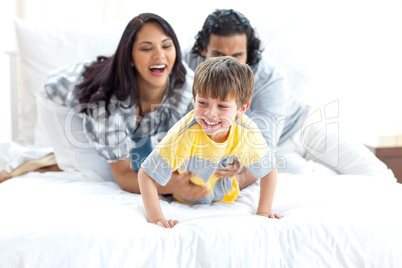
269,215
169,224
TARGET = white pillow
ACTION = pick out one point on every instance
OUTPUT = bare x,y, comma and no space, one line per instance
43,48
287,45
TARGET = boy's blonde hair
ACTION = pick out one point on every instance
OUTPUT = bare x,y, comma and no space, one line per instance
224,77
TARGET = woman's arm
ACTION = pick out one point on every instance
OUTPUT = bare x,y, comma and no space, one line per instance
125,175
127,179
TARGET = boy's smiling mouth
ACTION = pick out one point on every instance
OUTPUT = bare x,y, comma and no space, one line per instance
210,123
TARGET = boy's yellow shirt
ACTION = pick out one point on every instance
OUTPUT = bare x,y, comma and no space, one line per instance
187,148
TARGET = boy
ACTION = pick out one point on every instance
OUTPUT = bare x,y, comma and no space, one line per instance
209,138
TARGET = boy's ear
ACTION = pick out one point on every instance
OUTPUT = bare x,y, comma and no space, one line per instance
243,109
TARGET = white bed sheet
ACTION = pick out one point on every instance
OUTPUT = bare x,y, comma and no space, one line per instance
57,220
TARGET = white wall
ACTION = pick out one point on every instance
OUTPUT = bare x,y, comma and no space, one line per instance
8,9
350,49
359,61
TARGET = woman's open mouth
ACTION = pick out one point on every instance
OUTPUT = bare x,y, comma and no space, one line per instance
157,69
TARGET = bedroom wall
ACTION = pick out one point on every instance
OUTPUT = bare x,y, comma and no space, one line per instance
7,11
350,50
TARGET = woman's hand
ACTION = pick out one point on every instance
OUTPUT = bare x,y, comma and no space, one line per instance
181,186
169,224
4,175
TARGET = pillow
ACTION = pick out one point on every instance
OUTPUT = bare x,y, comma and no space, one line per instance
286,45
44,48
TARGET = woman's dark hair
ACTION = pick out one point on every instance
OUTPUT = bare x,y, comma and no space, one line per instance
227,22
115,75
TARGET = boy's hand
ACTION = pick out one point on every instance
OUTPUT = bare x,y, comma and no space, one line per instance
243,176
230,171
169,224
269,215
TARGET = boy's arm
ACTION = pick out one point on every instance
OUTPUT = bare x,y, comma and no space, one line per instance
267,192
150,198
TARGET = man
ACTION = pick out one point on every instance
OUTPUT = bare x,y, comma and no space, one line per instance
281,117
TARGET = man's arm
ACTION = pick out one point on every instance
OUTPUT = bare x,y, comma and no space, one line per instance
269,104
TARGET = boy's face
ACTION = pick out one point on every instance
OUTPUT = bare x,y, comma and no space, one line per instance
234,45
216,116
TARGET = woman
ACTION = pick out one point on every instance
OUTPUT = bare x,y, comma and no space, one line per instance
96,113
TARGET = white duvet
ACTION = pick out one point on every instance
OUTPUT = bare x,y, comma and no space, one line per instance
55,220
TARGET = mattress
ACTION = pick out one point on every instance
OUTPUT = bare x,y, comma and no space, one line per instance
56,219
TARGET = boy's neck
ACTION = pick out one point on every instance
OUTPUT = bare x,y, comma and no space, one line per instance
221,137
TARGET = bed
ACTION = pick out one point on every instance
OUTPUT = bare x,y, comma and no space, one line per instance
57,219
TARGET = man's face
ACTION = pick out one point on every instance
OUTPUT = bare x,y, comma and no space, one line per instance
234,45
